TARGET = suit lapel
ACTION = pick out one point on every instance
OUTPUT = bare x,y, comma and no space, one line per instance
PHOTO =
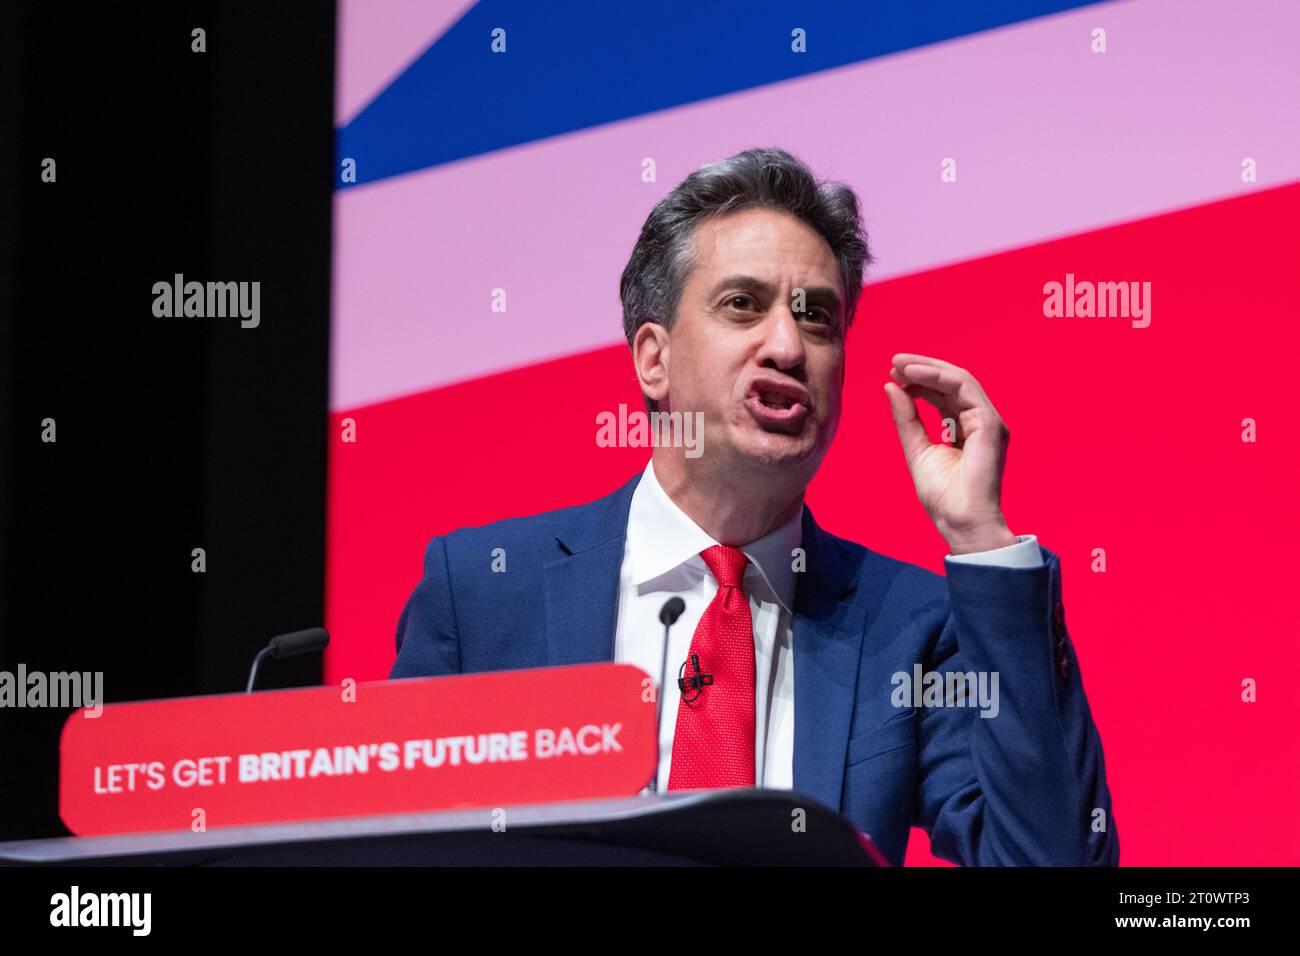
826,649
581,584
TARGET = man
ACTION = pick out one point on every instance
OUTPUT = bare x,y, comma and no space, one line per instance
804,661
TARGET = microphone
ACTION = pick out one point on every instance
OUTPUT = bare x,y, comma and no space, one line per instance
289,645
668,615
671,611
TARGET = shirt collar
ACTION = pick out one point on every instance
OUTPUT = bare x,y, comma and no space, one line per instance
661,537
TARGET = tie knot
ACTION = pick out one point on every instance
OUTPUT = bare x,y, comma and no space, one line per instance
727,564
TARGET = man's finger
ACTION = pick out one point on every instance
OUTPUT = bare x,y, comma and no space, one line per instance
951,395
911,430
911,358
940,379
958,383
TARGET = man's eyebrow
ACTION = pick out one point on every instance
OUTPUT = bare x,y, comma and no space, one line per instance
749,283
823,293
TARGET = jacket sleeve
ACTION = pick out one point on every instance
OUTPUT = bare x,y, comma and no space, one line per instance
1026,784
428,643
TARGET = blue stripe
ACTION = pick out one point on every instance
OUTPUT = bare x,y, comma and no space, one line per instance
571,65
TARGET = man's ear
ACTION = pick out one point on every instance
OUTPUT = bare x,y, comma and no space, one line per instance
650,358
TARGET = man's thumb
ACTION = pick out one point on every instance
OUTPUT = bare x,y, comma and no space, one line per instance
911,430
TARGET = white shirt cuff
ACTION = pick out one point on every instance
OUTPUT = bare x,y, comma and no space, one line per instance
1025,553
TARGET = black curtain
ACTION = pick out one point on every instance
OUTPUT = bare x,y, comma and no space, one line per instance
171,433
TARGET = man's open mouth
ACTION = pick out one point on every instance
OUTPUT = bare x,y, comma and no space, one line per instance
774,399
780,405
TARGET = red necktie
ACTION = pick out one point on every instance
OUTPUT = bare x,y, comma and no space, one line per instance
713,745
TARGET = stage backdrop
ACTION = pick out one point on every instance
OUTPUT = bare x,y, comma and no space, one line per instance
996,149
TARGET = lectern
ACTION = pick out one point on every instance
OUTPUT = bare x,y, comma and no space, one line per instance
505,768
719,827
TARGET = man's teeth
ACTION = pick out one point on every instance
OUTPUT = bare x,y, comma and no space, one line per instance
772,400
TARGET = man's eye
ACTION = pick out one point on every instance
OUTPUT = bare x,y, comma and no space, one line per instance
819,315
738,298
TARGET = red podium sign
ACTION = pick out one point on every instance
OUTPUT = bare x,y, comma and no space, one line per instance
436,743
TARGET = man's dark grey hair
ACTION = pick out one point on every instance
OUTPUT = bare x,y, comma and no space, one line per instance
651,287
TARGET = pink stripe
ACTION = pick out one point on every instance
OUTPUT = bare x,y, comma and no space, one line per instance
1050,139
378,40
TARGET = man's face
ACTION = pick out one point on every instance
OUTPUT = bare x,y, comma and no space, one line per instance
766,377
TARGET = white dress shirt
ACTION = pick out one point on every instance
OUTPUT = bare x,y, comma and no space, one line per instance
661,560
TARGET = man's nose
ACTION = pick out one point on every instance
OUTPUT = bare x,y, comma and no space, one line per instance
782,345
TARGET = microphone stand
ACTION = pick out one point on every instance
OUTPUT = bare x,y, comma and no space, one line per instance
659,720
668,616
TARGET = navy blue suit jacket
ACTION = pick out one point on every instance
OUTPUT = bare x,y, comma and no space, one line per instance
1025,787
